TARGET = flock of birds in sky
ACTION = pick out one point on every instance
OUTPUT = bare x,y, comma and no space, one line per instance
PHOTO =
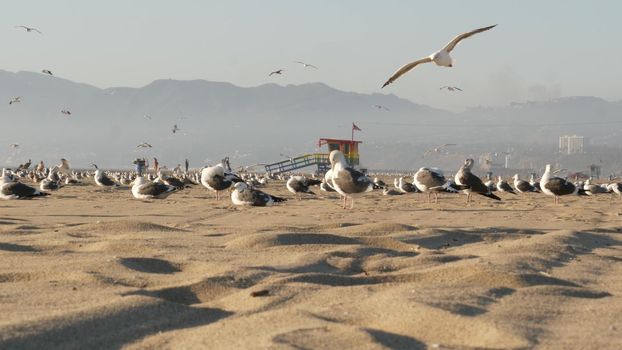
440,58
341,178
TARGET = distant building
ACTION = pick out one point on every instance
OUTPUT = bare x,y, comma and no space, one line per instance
571,144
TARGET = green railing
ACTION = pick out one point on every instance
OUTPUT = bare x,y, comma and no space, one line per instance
319,159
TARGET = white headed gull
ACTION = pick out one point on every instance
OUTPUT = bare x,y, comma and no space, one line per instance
440,57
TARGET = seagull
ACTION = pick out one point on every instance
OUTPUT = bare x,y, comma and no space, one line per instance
535,184
300,184
175,128
15,100
147,116
440,58
450,88
556,186
144,145
431,180
279,72
52,182
30,29
145,189
66,112
243,194
101,179
472,183
215,178
306,65
592,189
503,186
438,148
10,189
404,186
46,71
14,145
523,186
346,180
381,107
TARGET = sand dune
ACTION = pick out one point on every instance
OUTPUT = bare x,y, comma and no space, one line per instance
87,268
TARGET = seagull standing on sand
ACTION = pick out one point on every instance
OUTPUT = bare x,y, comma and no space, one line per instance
440,58
556,186
15,100
432,181
30,29
471,183
215,178
306,65
278,71
243,194
346,180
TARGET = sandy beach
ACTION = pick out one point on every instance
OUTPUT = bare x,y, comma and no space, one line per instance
87,268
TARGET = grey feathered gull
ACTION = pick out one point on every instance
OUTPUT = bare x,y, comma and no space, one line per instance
556,186
300,184
144,189
243,194
440,58
472,183
347,180
503,186
11,189
432,181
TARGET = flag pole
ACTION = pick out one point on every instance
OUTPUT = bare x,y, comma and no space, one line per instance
352,131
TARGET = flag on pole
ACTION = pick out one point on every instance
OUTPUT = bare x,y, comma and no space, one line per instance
354,127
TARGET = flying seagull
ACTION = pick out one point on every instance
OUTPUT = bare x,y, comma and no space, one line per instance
147,116
14,145
47,71
279,72
307,65
175,128
440,58
450,88
144,145
381,107
438,148
30,29
66,112
15,100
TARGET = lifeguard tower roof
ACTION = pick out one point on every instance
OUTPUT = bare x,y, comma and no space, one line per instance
349,148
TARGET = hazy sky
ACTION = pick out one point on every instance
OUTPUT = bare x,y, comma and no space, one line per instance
540,50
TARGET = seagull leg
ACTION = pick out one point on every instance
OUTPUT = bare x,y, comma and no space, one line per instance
436,197
352,204
429,200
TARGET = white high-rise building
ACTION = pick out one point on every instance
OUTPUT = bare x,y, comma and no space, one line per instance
571,144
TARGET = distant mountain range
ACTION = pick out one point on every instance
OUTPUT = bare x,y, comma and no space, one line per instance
264,123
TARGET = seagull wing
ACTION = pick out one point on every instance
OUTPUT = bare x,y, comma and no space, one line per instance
36,30
452,44
457,88
405,68
310,65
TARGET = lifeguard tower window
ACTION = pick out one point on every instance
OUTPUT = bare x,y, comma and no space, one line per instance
346,148
333,147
